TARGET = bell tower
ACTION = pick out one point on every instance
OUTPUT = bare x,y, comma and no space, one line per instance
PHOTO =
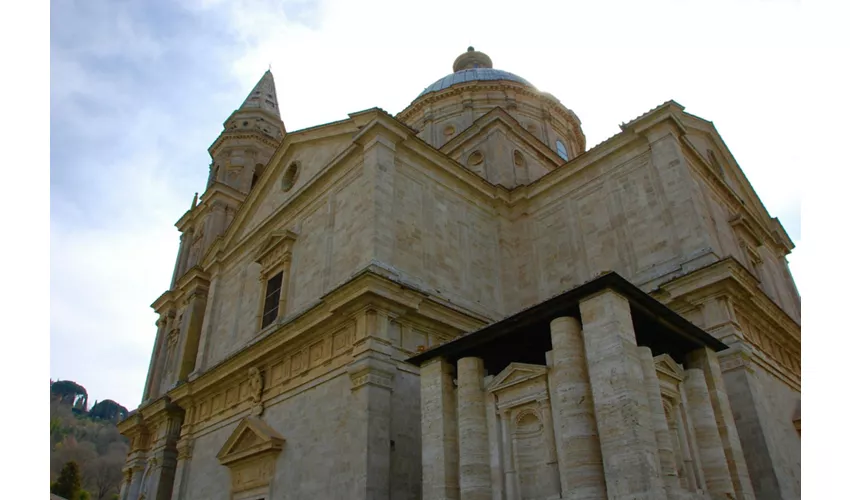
251,135
240,154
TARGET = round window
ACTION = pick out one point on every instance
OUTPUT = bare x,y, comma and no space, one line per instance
475,158
290,176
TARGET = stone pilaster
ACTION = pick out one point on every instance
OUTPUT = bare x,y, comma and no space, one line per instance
706,360
207,324
623,419
371,410
472,431
666,457
178,263
712,457
184,454
439,432
186,241
126,477
190,338
687,480
577,442
687,435
494,436
137,471
512,490
151,384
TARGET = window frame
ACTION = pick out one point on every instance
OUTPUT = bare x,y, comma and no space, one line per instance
275,258
559,144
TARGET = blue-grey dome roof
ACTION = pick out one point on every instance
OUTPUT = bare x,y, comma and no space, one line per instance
471,75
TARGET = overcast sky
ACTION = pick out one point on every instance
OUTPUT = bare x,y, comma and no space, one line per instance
139,90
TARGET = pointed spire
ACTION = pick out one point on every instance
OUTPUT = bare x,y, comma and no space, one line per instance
264,95
195,201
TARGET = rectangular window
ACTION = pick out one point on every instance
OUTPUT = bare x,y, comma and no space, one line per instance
272,303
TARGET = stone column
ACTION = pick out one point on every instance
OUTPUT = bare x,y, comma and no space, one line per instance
623,419
706,360
666,457
472,431
718,481
577,442
439,432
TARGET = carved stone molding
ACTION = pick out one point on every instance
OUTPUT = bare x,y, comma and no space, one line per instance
737,357
255,386
251,454
373,372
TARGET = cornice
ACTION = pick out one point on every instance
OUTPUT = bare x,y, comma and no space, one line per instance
367,288
217,192
242,134
729,277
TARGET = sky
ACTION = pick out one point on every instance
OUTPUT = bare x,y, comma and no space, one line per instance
139,91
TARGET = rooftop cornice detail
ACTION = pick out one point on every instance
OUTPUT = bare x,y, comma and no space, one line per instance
240,134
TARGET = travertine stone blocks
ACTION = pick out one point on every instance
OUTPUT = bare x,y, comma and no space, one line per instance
439,432
626,434
666,457
577,440
472,431
712,458
706,360
371,409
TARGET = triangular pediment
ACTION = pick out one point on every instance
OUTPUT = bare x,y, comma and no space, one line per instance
704,142
668,366
278,240
498,117
516,373
251,437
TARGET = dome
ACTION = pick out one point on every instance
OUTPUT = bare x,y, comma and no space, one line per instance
470,75
472,66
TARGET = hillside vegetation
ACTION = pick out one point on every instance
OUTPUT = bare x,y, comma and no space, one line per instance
88,438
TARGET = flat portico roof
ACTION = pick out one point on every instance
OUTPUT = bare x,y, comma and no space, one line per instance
524,336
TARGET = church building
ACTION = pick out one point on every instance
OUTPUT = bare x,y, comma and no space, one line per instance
462,301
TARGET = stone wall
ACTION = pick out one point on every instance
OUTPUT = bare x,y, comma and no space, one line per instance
764,411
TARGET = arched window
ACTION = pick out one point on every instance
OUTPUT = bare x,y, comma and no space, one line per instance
562,150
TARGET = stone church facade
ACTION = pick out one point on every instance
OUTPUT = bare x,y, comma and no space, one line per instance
462,301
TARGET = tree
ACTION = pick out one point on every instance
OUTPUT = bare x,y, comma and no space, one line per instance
70,393
108,410
103,475
68,484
